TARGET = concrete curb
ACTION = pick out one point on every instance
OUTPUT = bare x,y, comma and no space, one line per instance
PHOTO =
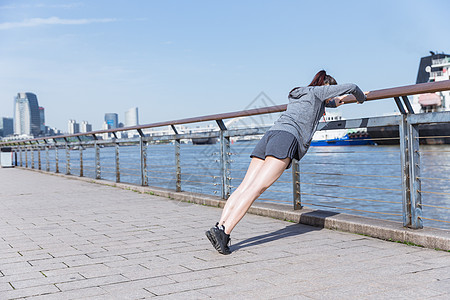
382,229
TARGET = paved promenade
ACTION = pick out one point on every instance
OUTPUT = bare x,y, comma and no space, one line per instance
68,239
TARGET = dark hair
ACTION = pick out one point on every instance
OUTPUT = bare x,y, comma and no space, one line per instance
321,78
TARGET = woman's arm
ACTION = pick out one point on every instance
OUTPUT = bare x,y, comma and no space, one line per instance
325,92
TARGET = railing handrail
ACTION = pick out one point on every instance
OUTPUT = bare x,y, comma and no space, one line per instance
422,88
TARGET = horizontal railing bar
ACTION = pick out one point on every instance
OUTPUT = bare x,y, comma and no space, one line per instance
422,88
360,123
433,117
230,133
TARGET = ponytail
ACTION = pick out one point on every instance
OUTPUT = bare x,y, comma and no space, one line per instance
319,78
322,78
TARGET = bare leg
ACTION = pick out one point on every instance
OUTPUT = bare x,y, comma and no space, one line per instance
252,171
264,177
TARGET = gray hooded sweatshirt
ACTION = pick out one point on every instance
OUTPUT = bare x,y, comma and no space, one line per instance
306,107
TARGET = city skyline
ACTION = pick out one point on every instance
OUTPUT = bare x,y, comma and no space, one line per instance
29,119
194,60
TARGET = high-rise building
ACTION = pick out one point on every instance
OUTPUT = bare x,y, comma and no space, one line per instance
6,126
27,119
42,117
112,119
85,127
73,127
131,117
106,126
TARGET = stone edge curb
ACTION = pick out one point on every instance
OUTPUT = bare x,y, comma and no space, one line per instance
383,229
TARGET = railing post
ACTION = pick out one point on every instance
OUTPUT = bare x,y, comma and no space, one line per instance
178,165
117,162
414,174
20,156
143,152
225,152
81,160
47,158
14,150
32,156
410,159
39,157
97,161
26,156
177,161
404,159
56,159
15,156
67,159
296,184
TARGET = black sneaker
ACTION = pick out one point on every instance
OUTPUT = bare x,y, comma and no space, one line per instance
211,239
221,240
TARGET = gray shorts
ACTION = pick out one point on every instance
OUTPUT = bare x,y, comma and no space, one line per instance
277,143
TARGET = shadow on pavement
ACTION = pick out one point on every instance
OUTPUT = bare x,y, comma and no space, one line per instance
291,230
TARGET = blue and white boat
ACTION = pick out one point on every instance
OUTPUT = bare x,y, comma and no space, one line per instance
340,137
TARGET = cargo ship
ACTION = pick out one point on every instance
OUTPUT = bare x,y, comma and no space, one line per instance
432,68
340,137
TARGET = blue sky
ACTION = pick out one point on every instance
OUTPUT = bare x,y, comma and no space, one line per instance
179,59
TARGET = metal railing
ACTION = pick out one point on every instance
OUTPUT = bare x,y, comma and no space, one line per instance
393,189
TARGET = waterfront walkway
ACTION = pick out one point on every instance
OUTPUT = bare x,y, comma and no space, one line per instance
69,239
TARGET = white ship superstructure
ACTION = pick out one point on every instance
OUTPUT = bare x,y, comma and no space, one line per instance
438,70
330,134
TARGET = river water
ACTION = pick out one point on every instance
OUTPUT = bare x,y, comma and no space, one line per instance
361,180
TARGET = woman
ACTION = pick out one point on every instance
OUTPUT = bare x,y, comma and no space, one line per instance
287,139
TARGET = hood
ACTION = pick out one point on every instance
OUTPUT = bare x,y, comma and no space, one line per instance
297,92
